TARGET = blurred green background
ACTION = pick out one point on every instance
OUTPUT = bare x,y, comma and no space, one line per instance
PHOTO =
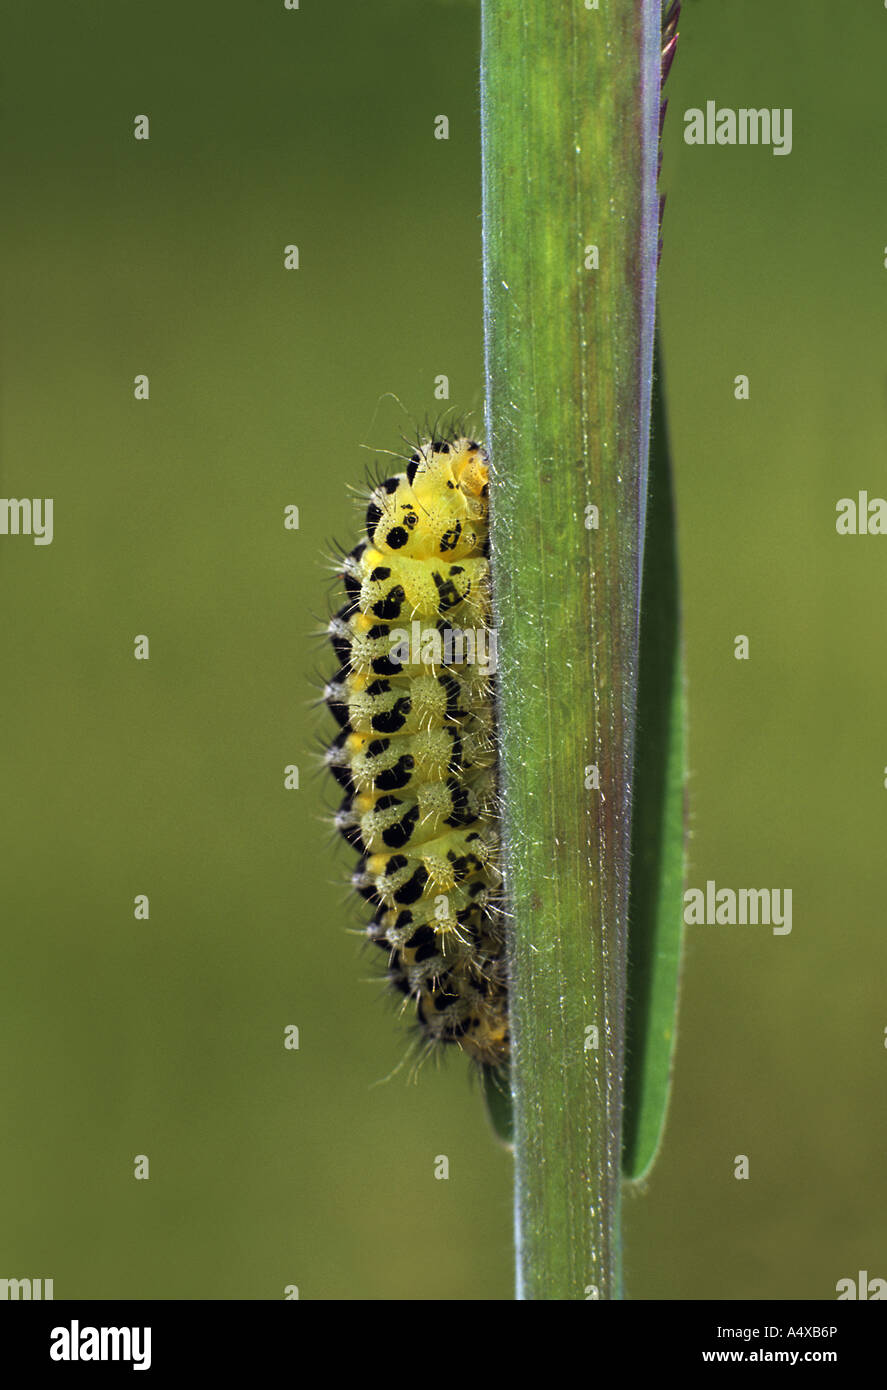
315,1167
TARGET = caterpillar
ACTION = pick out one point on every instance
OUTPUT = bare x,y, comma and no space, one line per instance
416,750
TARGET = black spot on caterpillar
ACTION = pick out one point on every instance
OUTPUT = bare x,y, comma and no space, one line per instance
416,754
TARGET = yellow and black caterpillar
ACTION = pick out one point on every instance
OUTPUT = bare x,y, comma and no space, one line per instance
416,752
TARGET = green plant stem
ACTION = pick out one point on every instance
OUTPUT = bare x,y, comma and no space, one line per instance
570,130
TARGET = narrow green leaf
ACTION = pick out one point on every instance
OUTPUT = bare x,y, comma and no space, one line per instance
496,1082
658,822
570,114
